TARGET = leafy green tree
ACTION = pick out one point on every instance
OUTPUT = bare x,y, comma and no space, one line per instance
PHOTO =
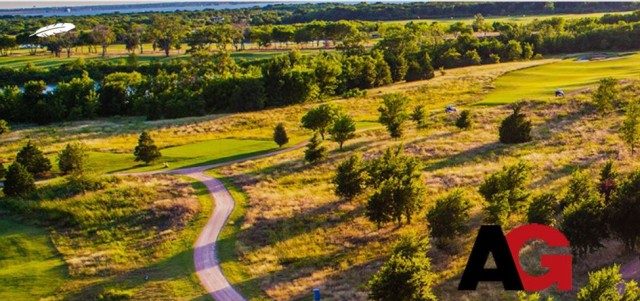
4,127
327,71
527,51
280,135
464,120
117,93
71,158
580,189
607,284
419,67
406,275
315,150
319,119
418,116
104,36
32,158
146,150
343,129
584,225
630,129
505,191
393,113
513,51
608,181
350,178
78,96
516,128
543,209
606,95
624,209
19,182
450,216
166,31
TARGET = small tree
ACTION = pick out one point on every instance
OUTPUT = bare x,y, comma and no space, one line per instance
623,211
505,191
406,275
4,127
580,189
393,114
450,216
394,199
608,180
33,159
315,150
19,182
515,128
71,158
607,284
320,119
542,209
146,150
606,95
418,116
350,178
343,129
584,225
280,135
630,129
464,120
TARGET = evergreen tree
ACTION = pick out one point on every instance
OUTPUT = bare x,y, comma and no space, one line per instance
630,129
350,178
607,284
406,275
464,120
606,95
19,182
608,181
580,189
71,158
315,150
280,135
146,150
505,191
584,225
515,128
343,129
33,159
542,209
393,114
418,116
450,216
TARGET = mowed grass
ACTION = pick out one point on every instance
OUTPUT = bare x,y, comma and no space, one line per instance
30,267
570,75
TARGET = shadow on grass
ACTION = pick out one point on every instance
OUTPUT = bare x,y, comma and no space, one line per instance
480,152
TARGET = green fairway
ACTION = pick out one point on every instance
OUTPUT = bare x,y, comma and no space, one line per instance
200,153
30,267
540,82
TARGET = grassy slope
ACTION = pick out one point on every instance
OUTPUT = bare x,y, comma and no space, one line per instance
297,235
30,267
540,83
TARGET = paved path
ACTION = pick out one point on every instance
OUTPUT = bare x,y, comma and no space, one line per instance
205,255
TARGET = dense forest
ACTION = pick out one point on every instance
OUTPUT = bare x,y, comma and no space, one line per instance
211,81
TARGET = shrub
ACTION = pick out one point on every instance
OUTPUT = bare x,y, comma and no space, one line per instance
71,158
418,116
471,57
580,189
280,135
494,58
4,127
350,178
450,216
393,114
505,191
606,95
515,128
33,159
115,295
315,150
353,93
542,209
343,129
464,120
406,275
584,225
606,284
19,182
146,150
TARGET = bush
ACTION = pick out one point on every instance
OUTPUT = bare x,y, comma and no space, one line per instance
315,151
515,128
350,178
4,127
355,92
584,225
115,295
33,159
71,158
19,182
580,189
542,209
280,135
494,58
146,150
450,216
464,120
606,284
